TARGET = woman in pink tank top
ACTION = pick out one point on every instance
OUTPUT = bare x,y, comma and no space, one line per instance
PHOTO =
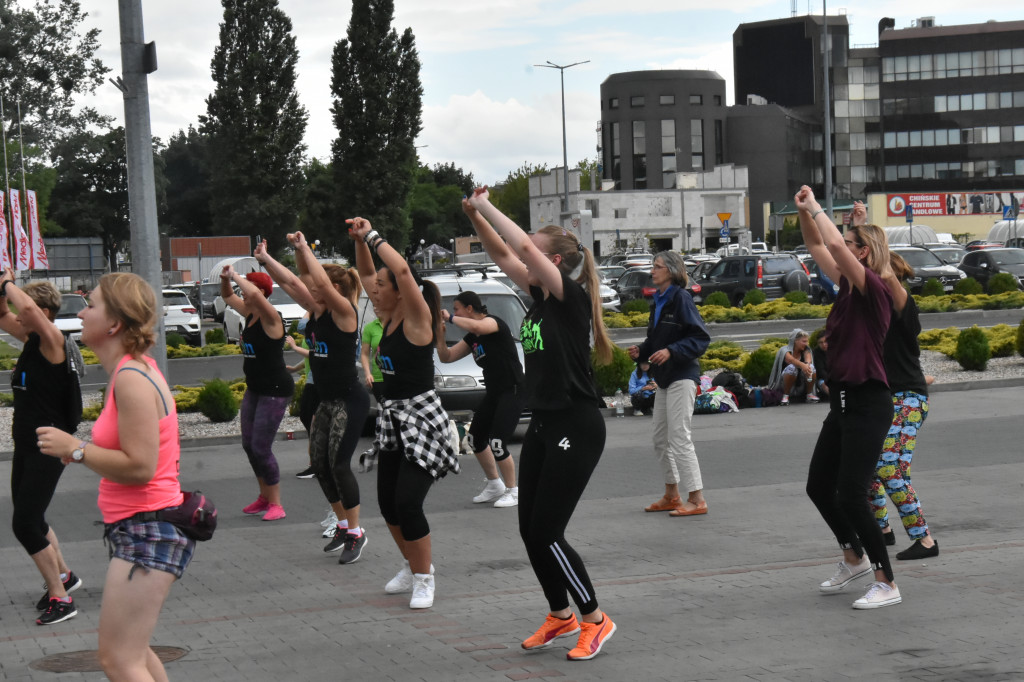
134,448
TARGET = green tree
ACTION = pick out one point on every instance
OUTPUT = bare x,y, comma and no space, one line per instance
589,169
45,61
187,211
512,196
375,85
318,218
450,174
255,124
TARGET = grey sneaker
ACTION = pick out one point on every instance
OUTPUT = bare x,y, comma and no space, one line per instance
422,591
879,595
509,499
58,612
494,489
353,548
846,574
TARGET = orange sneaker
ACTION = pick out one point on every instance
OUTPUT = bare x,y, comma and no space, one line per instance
592,638
552,629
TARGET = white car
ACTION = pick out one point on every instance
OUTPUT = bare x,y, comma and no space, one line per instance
180,316
609,297
67,319
282,302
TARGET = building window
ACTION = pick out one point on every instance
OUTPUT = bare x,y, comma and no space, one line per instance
718,100
696,99
639,155
613,103
697,144
667,99
592,205
620,213
719,142
636,101
616,157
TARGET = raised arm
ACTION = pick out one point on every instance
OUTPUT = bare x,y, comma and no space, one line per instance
341,308
496,248
284,277
835,259
228,294
258,304
364,264
51,338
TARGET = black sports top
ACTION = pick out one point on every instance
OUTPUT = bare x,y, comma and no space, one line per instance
263,361
39,388
408,370
496,354
332,357
902,353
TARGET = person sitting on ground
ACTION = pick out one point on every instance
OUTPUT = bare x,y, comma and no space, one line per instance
792,361
819,360
641,389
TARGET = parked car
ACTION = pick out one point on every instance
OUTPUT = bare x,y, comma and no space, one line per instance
210,292
823,290
67,319
180,316
634,284
774,274
638,260
702,268
926,266
290,312
982,244
609,297
984,263
950,255
610,274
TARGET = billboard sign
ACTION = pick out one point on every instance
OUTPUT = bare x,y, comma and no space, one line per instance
952,203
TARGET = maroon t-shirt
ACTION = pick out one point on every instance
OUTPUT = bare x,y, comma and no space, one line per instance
856,328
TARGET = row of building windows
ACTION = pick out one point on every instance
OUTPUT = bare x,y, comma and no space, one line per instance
663,100
953,65
974,101
939,138
968,169
669,164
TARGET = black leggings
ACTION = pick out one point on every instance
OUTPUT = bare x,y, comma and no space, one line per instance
308,403
337,425
34,478
402,486
495,420
843,467
560,452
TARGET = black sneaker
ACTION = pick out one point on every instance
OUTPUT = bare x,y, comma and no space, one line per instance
70,585
918,551
337,542
306,473
353,548
57,611
890,539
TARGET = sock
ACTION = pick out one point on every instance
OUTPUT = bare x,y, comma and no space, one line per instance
343,525
64,577
66,600
357,531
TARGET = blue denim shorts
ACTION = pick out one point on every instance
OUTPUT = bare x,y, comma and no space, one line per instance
150,544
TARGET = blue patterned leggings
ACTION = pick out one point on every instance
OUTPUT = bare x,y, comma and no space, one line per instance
892,475
260,417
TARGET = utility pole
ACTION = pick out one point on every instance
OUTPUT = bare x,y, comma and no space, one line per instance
137,60
565,155
827,96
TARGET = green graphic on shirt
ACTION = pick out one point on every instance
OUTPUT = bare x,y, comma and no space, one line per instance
529,334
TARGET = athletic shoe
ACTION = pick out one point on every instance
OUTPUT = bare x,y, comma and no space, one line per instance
813,399
552,629
422,590
70,585
918,551
337,540
402,582
330,520
260,505
353,548
509,499
330,531
492,491
274,512
306,473
592,638
890,539
57,611
879,595
846,574
785,400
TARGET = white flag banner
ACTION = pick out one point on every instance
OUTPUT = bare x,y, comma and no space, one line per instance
5,256
22,249
38,259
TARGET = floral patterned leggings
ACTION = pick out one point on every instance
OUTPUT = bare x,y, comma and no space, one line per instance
892,475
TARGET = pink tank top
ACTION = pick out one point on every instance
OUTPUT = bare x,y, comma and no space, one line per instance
119,501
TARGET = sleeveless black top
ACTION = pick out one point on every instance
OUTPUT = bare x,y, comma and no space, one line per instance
496,355
408,370
263,362
40,391
902,353
332,356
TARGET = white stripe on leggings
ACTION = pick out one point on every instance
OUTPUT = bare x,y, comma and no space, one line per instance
563,561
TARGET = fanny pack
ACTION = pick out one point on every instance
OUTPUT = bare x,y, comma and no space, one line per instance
196,516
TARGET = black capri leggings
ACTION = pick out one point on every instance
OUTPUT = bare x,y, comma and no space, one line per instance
308,403
843,467
337,425
402,486
34,478
560,452
495,420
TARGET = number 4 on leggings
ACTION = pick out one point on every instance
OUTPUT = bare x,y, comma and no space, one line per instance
564,444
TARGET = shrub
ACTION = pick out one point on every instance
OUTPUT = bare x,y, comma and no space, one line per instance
1020,339
754,297
972,349
932,287
1001,340
92,412
217,401
295,406
216,335
1001,282
176,339
637,305
967,287
6,400
796,296
727,355
718,298
758,366
614,375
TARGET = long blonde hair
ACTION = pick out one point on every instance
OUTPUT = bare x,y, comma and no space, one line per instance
566,245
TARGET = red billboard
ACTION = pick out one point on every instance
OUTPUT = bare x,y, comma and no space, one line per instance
952,203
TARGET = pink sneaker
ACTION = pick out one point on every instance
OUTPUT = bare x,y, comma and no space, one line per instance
256,507
274,512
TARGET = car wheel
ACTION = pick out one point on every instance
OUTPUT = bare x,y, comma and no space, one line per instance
796,280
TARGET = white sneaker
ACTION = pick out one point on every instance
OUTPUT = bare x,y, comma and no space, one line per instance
330,531
879,595
492,491
403,580
509,499
330,520
422,591
846,574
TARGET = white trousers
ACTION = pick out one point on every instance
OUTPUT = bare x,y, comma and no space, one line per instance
673,441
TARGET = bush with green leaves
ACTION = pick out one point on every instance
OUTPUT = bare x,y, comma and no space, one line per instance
217,401
796,296
754,297
972,349
758,366
1001,282
216,335
295,406
637,305
719,298
176,339
727,355
615,375
1019,343
968,286
932,287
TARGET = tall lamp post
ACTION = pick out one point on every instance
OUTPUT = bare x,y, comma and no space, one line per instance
565,156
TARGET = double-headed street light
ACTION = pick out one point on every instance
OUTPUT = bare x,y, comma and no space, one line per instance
565,157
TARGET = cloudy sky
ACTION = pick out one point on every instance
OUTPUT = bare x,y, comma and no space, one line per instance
485,106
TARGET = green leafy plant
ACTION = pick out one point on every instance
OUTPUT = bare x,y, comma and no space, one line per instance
932,287
176,339
216,335
295,406
796,296
1001,282
217,401
1019,342
718,298
972,349
968,286
614,375
755,297
637,305
758,366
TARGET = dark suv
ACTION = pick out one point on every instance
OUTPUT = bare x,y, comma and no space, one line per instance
774,274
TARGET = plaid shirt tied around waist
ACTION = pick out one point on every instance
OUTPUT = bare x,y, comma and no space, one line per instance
421,425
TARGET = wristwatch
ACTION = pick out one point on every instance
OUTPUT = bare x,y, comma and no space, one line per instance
78,454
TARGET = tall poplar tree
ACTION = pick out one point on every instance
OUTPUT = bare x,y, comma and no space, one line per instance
255,124
375,85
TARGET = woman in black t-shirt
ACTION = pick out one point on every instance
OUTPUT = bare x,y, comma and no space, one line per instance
567,430
269,384
490,342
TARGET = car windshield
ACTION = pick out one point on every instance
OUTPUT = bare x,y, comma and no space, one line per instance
176,298
70,305
919,258
211,290
280,297
505,306
1009,257
952,256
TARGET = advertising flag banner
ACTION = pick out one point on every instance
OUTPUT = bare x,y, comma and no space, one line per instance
5,256
22,249
38,257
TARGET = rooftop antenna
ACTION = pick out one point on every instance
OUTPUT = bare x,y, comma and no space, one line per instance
792,8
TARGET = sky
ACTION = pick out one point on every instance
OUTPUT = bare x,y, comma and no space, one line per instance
486,107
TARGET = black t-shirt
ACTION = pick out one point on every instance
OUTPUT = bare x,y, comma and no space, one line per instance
902,353
332,357
496,354
556,344
408,370
263,362
39,389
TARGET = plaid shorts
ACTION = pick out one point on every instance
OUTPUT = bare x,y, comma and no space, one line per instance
150,544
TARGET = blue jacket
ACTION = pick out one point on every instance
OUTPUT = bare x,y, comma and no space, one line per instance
637,380
681,329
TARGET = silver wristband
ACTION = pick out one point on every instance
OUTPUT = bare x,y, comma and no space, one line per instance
370,236
815,214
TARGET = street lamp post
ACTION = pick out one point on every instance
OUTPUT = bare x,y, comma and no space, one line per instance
565,156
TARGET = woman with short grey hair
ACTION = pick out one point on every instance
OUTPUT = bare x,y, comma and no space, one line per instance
676,267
